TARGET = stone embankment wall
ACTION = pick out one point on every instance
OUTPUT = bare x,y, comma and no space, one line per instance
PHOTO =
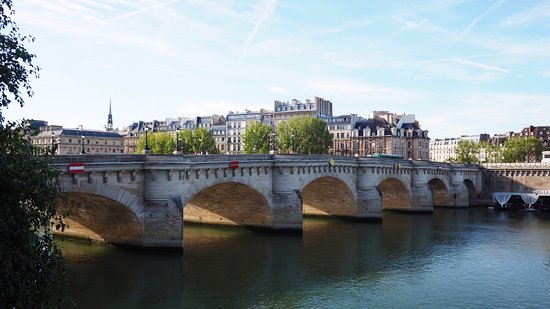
515,177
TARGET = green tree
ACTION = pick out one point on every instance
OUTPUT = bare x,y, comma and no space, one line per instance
467,151
522,150
32,269
304,135
493,153
257,138
197,141
15,61
158,142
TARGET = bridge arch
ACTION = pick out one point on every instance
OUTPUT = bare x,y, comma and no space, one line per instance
133,201
395,194
471,190
440,192
99,218
328,195
228,203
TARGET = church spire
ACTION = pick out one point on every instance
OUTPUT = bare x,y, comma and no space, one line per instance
109,126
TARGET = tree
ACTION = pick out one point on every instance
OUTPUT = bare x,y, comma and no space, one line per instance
304,135
33,273
467,151
522,150
197,141
15,61
258,138
159,143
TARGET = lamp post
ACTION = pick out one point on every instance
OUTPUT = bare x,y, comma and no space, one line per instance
292,143
273,142
53,142
178,149
146,140
83,152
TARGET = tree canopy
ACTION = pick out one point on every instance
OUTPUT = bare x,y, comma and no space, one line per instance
158,143
258,138
304,135
467,151
522,150
198,141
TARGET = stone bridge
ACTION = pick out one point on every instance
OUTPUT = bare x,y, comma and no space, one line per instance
144,200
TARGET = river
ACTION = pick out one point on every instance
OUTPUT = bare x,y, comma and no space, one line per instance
461,258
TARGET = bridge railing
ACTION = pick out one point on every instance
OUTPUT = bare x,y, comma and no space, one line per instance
537,165
93,158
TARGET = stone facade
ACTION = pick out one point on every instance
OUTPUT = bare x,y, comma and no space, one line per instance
77,141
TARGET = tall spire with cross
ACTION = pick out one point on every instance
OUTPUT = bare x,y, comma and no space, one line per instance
109,126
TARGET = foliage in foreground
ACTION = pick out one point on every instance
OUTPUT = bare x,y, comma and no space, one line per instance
33,271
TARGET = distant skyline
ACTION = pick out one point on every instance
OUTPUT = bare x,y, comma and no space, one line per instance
462,67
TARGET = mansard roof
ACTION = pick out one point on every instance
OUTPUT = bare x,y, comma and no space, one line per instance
372,124
89,133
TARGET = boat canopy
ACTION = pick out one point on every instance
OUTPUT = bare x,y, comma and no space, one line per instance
503,197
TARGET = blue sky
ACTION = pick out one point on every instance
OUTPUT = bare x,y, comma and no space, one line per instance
462,67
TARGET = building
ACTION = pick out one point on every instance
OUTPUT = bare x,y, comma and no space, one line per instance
79,141
444,149
220,136
384,133
208,121
541,133
236,124
318,108
341,129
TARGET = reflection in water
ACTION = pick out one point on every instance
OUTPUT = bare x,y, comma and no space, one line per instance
456,257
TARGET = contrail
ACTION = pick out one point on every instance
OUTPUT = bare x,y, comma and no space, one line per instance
267,10
474,22
136,12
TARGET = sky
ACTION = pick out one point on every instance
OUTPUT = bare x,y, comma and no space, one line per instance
461,67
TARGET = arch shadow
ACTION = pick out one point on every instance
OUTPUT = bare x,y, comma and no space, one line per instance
328,196
395,194
471,190
440,193
229,203
97,218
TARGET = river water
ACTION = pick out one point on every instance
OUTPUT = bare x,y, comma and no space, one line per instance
460,258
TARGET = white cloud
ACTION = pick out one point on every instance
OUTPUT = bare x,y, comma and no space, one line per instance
277,89
462,69
345,88
532,14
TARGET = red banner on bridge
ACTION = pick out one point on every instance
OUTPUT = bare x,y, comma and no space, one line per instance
76,167
234,165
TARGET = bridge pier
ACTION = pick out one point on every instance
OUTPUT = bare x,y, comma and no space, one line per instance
421,198
369,197
163,223
287,211
421,194
287,204
459,196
